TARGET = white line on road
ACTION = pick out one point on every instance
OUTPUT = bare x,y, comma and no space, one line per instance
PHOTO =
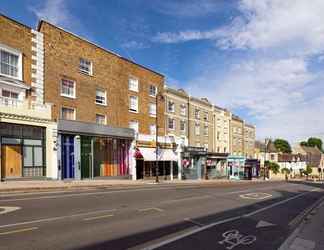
150,209
55,218
165,242
99,217
18,230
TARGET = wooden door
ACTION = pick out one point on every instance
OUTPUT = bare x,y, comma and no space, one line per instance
11,161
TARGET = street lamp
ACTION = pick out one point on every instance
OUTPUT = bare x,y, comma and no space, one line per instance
161,97
266,141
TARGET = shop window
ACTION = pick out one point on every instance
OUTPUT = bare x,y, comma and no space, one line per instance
153,91
85,66
133,104
133,84
67,113
68,88
33,155
101,97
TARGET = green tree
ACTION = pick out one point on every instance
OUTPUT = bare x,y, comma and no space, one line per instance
303,143
286,172
282,146
308,170
315,142
273,166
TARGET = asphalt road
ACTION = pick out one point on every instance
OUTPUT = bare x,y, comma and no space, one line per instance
245,216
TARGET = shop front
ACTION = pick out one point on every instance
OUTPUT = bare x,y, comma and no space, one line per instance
236,164
193,161
251,169
216,165
88,151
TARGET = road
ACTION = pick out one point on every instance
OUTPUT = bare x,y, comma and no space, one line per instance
248,215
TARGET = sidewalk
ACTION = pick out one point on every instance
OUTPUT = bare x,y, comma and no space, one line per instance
46,185
309,235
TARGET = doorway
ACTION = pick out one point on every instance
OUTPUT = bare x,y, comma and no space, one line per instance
86,157
11,161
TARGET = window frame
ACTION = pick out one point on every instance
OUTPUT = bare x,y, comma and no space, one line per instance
182,122
152,114
172,104
197,125
156,90
173,124
74,88
71,108
105,95
130,104
105,119
197,113
150,128
134,122
90,72
19,63
129,85
183,109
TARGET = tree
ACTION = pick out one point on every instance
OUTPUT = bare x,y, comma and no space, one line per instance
273,166
282,146
308,170
286,172
303,143
315,142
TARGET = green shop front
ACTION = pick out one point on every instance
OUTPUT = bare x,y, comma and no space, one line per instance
236,167
87,151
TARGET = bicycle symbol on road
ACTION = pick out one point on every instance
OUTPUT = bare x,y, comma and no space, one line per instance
234,238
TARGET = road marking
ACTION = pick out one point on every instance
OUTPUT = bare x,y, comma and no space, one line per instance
19,230
263,223
165,242
150,209
99,217
233,238
256,196
8,209
187,199
56,218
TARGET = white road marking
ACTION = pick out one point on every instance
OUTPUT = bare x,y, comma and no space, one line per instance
99,217
194,222
55,218
8,209
18,230
165,242
263,223
256,196
150,209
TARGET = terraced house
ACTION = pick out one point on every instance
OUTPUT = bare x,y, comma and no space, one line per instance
101,102
27,132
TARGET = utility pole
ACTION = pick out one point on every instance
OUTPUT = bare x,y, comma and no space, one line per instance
158,95
265,158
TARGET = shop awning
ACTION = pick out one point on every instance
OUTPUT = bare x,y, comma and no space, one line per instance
163,154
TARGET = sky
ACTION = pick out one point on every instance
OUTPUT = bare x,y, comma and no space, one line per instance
261,59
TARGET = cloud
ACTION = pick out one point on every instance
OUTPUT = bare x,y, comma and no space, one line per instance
134,45
54,11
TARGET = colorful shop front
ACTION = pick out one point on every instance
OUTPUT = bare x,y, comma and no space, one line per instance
193,163
216,165
236,166
88,150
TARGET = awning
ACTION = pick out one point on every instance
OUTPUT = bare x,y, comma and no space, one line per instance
163,154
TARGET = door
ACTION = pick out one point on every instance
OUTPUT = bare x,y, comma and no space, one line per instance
86,157
68,167
11,161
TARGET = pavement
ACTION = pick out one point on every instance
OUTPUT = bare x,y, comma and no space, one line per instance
249,215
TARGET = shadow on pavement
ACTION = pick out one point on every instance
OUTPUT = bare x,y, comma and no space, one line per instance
147,236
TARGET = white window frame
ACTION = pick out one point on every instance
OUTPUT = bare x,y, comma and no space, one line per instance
132,109
16,53
74,88
90,72
152,111
105,95
155,92
74,113
131,86
197,129
136,123
152,129
105,119
206,130
184,125
183,109
172,105
197,113
173,124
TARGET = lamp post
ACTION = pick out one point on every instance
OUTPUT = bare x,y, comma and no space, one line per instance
158,96
265,158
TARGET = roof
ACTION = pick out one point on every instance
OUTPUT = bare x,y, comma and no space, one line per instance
15,21
311,150
237,118
270,147
286,157
96,45
178,92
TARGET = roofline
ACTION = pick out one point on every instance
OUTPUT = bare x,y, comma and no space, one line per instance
96,45
15,21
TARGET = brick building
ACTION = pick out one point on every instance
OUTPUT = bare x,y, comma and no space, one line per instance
249,140
27,134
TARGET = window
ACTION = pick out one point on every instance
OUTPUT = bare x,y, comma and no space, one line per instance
133,104
171,124
133,84
134,125
183,109
218,149
206,116
68,113
152,109
205,130
206,145
218,135
197,129
152,129
197,114
171,107
225,149
101,97
9,94
85,66
67,88
182,126
153,90
100,119
10,64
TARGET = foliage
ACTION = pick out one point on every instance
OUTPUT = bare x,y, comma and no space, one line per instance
308,170
313,142
282,146
303,143
285,171
273,166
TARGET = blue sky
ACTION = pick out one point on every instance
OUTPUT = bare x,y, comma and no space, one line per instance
262,59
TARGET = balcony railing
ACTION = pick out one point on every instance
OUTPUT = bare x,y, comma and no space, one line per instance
10,102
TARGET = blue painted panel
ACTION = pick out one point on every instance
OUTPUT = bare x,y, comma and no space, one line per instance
67,157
